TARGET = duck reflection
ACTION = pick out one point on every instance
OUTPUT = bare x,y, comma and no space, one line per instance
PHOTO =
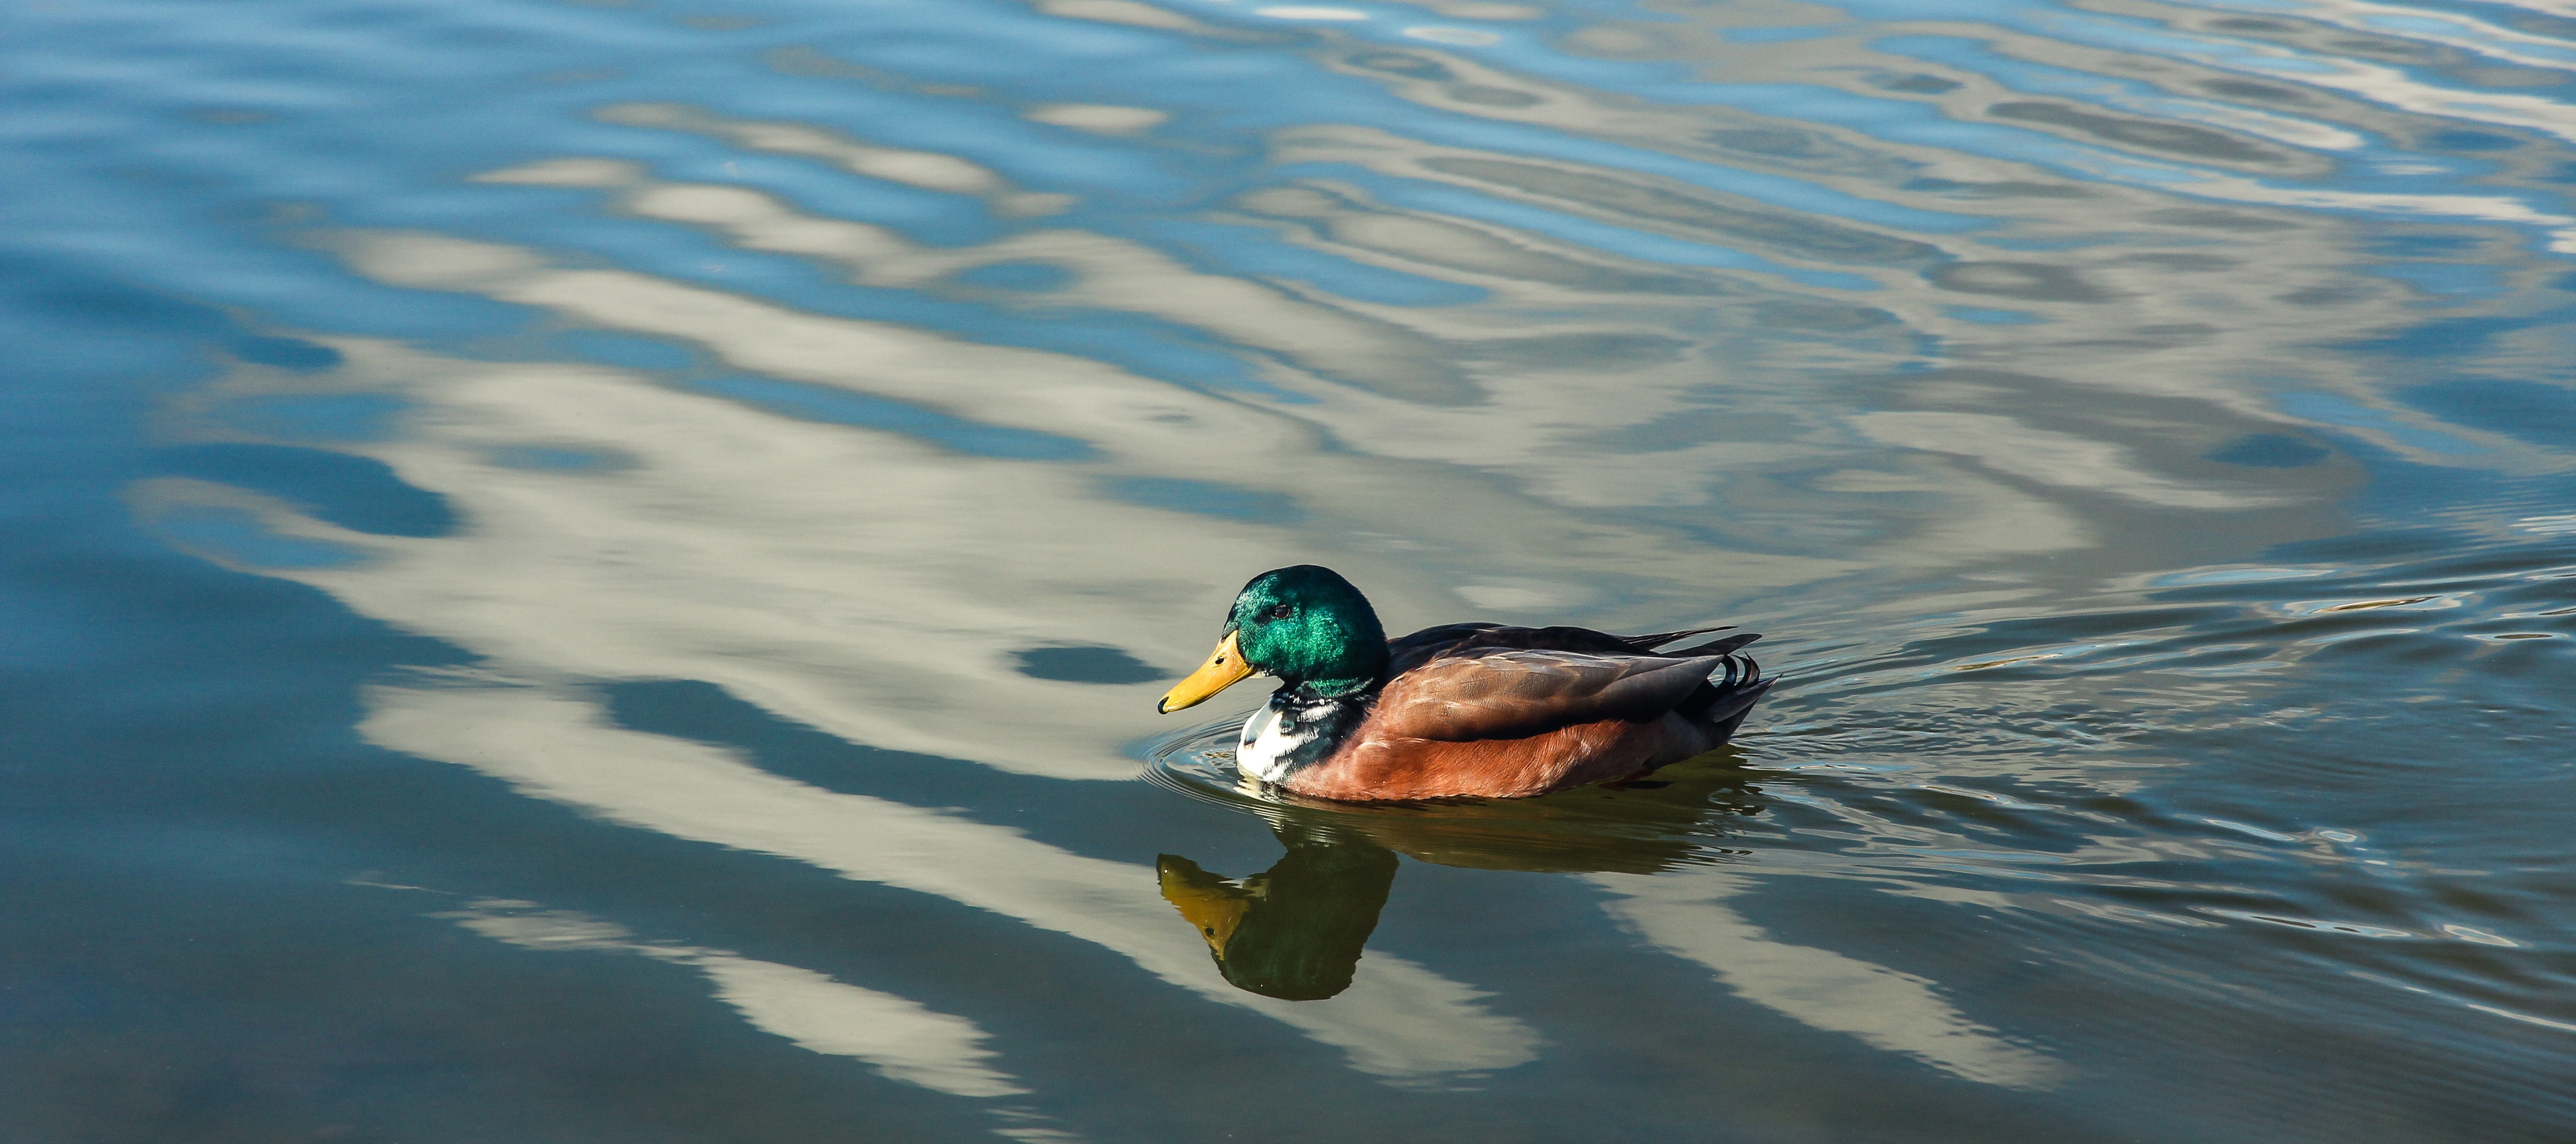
1295,931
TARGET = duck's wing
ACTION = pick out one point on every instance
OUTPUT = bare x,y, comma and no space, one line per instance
1716,647
1412,651
1513,694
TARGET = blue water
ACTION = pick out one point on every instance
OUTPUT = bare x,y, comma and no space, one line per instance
600,571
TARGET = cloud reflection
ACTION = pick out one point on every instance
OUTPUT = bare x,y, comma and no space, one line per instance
1889,1009
903,1039
1398,1019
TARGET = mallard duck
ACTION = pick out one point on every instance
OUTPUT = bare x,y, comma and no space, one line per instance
1461,709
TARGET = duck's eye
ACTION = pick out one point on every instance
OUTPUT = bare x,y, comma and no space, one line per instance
1281,612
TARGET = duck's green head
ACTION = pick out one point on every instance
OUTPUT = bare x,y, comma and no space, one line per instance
1303,625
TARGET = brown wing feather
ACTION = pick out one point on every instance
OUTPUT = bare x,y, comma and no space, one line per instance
1517,694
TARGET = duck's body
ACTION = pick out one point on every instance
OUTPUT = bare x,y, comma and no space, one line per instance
1462,709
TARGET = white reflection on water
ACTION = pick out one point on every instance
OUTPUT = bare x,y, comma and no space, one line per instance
1398,1019
1679,912
1467,385
2012,448
903,1039
728,553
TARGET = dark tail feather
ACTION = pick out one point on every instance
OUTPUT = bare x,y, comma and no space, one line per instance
1659,639
1724,701
1730,711
1713,647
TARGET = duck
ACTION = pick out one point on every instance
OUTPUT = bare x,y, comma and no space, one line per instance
1466,710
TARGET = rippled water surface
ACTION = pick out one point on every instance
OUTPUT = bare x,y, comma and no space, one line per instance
599,571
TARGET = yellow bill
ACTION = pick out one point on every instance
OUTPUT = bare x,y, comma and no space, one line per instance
1224,669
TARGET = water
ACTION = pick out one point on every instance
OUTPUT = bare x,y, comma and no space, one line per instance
599,572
